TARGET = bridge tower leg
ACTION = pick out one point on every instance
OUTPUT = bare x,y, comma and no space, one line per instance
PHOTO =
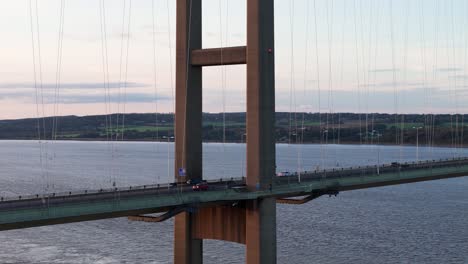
260,214
252,223
188,123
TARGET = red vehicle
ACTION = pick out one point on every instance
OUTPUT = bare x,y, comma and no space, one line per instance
202,186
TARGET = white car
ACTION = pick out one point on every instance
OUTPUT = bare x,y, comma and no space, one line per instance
283,174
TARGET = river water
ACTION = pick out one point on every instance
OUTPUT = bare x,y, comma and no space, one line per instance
413,223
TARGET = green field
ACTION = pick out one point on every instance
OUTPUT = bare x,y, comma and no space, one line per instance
69,135
405,125
142,128
220,124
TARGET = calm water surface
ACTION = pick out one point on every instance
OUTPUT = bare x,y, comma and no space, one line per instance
414,223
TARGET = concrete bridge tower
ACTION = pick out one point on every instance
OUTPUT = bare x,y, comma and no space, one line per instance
252,223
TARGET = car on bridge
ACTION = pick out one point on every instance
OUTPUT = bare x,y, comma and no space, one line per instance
202,186
195,181
283,174
398,164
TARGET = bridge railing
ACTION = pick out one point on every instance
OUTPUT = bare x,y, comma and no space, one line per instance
371,170
149,187
305,175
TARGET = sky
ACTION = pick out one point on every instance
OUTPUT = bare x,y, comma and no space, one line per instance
393,56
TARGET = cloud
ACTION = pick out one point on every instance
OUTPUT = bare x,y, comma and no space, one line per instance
16,95
385,70
412,100
212,34
394,84
96,37
238,35
459,77
92,99
28,97
78,86
449,69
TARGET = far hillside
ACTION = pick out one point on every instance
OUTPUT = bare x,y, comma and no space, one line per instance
290,128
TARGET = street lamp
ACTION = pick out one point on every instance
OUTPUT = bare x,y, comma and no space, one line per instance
299,157
243,135
375,132
417,142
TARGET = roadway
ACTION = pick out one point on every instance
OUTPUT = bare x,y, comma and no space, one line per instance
57,208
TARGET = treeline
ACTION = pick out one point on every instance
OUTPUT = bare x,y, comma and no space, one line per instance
290,127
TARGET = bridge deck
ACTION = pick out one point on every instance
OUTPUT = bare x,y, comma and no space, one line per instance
30,211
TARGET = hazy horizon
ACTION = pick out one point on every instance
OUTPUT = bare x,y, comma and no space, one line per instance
214,113
365,56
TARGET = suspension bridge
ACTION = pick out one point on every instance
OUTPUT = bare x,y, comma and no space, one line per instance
67,207
241,210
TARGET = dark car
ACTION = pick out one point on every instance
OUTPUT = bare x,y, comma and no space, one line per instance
195,181
401,165
202,186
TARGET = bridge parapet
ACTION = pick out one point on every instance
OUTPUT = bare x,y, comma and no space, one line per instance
166,188
16,214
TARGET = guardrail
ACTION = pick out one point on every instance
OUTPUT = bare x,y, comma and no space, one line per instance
375,170
149,187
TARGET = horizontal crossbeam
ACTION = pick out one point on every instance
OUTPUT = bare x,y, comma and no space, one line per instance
156,219
219,56
306,199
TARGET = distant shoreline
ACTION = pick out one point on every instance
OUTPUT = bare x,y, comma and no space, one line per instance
237,142
346,128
